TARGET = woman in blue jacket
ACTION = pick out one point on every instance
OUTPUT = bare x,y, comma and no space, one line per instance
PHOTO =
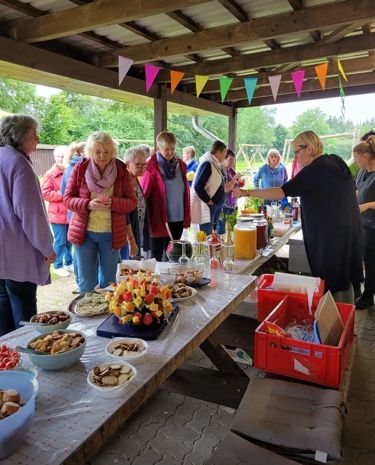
272,173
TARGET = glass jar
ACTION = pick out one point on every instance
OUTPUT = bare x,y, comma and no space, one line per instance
245,239
262,233
201,253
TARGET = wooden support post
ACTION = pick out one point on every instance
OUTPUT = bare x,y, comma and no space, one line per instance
160,111
232,130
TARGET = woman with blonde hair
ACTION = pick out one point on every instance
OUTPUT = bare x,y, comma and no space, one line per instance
330,214
364,155
99,193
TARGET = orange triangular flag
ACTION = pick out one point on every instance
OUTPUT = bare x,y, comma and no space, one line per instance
321,72
200,82
341,69
176,77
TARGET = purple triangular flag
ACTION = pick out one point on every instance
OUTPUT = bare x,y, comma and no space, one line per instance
124,65
297,77
151,72
275,84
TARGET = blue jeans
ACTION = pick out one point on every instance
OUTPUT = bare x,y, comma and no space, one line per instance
17,303
96,250
61,245
215,211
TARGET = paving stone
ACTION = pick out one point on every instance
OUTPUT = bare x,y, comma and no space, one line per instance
147,456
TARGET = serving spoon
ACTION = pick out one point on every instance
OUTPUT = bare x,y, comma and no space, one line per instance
26,350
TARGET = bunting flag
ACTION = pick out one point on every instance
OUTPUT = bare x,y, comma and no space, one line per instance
250,84
176,77
124,65
275,84
321,72
225,83
297,77
342,96
341,69
200,82
151,72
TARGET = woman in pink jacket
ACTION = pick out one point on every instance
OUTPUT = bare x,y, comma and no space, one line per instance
57,214
166,189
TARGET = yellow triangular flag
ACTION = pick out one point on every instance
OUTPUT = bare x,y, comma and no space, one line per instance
200,82
341,69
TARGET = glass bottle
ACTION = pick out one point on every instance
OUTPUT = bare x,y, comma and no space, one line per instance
228,249
215,248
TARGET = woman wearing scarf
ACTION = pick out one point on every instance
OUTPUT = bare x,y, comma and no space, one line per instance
99,193
208,192
166,189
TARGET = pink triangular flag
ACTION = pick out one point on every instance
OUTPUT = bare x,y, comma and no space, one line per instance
297,77
275,84
151,72
124,65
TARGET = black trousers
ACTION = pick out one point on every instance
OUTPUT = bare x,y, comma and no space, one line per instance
159,244
369,261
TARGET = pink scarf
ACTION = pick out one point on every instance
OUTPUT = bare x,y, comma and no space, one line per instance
99,183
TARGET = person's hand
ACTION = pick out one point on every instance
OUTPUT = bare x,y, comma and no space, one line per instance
96,204
237,176
210,203
364,207
51,258
237,193
133,248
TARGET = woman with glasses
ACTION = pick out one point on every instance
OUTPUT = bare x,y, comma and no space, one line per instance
138,227
272,173
330,215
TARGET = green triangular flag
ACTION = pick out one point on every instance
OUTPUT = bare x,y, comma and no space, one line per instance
225,83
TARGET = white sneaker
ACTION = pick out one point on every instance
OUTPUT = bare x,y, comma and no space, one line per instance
69,268
62,273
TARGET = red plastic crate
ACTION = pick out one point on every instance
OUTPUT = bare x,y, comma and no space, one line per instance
269,298
316,363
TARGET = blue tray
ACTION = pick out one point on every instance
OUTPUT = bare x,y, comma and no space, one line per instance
112,328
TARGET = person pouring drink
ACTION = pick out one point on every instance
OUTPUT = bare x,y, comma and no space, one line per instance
330,215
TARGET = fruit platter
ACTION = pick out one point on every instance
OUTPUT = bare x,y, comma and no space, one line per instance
139,305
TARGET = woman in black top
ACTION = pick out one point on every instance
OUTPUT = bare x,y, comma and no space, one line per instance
330,214
364,155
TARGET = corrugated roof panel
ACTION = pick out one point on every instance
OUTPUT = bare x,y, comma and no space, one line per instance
121,34
292,40
210,15
50,5
252,47
9,15
163,25
261,8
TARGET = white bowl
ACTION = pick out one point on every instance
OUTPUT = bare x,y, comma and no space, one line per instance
44,329
131,357
111,392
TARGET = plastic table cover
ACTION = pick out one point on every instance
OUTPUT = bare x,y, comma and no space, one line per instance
68,410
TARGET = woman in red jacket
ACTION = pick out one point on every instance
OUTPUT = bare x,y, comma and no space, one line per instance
57,213
166,189
99,193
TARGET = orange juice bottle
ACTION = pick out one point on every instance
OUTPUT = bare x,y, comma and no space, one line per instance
245,239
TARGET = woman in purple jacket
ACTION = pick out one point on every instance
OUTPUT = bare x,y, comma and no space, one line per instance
25,237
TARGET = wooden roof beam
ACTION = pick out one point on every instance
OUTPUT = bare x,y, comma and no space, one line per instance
353,65
308,19
330,93
366,28
278,57
298,5
309,85
92,16
235,9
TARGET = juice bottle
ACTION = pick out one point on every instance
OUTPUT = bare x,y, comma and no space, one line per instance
245,239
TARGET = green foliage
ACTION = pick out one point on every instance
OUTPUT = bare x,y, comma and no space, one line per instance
281,133
310,120
19,97
256,126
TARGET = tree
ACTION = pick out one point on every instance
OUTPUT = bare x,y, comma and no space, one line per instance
19,97
256,126
281,133
310,120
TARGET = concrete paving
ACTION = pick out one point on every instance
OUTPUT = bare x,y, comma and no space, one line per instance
171,429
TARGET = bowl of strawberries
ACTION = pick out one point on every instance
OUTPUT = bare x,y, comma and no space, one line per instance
141,302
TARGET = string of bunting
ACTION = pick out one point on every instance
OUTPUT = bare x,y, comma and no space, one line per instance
151,72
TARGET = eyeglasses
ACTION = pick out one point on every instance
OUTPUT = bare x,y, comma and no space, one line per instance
296,152
139,165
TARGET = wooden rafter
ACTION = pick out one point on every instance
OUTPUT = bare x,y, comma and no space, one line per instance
330,93
327,15
351,66
278,57
366,28
235,9
309,85
92,16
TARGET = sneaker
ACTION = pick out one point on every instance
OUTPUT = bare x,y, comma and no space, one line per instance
364,302
69,268
61,272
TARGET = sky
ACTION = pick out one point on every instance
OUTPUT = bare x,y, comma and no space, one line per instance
358,108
